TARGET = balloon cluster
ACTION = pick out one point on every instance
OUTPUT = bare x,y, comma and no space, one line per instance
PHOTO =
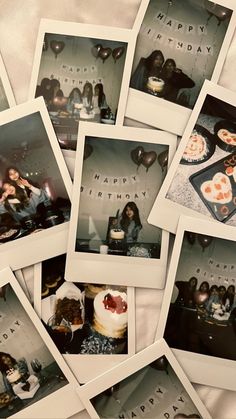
104,53
221,13
139,156
203,240
56,46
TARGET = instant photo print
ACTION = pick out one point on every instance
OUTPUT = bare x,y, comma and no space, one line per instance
151,384
201,179
118,174
92,325
35,380
6,95
197,317
35,187
180,44
83,72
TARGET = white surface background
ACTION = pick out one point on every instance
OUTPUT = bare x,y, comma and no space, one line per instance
19,21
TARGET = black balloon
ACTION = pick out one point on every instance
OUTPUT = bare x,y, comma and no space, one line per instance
148,159
88,149
220,12
204,241
160,364
96,49
104,53
57,47
191,237
117,53
163,159
137,155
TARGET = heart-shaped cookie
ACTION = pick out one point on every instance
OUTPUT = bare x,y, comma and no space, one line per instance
218,190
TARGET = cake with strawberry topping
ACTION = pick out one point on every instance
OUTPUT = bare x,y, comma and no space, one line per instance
111,313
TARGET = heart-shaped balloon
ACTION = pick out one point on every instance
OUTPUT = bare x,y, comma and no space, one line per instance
104,53
88,149
220,12
148,159
137,155
160,364
95,50
117,53
163,159
191,237
57,47
204,241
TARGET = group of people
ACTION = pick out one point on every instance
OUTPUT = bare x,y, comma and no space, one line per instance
19,197
206,298
174,79
89,98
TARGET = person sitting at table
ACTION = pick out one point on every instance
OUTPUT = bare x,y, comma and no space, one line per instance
202,294
55,93
14,176
150,66
7,362
99,99
44,89
87,95
14,201
222,291
174,80
228,299
75,98
186,292
213,299
129,222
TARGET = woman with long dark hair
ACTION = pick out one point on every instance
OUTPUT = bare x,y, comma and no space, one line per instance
14,200
130,222
99,98
44,89
174,80
147,67
75,98
14,176
87,95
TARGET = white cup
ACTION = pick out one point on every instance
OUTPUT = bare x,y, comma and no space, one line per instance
103,249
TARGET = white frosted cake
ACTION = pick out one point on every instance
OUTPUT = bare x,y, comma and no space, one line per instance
117,234
155,84
13,375
111,313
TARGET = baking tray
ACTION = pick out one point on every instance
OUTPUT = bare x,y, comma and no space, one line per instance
227,167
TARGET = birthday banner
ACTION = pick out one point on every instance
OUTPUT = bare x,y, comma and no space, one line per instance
9,333
174,27
71,81
115,180
72,69
102,195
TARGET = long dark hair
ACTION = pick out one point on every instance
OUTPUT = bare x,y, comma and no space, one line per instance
164,70
76,89
3,366
7,177
14,183
229,295
90,94
101,94
19,194
124,222
149,60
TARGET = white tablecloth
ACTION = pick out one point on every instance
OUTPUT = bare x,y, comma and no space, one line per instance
19,20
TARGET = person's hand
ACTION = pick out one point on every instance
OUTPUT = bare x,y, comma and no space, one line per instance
25,182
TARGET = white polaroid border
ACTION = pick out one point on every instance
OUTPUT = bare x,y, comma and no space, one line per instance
43,408
129,367
87,367
32,249
202,369
165,213
161,113
110,269
87,31
6,84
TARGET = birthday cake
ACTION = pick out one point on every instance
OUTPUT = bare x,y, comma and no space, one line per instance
155,84
117,234
13,375
110,313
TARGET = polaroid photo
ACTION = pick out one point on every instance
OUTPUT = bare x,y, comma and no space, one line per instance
180,44
35,187
118,173
7,99
83,73
197,317
151,384
201,180
35,381
92,325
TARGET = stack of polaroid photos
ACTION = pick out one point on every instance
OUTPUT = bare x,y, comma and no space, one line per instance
87,206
